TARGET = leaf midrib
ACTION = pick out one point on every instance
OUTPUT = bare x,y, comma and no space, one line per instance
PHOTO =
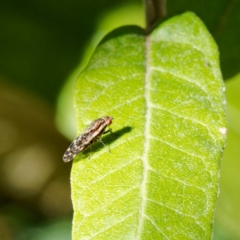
146,140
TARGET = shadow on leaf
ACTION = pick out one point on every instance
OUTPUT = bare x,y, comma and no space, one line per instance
106,139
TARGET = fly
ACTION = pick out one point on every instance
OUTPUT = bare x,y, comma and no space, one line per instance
89,136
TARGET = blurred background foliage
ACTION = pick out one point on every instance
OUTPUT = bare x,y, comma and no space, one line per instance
43,47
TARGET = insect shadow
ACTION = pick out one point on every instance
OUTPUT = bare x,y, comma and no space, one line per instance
105,141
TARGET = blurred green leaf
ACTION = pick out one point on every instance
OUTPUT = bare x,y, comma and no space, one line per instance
165,93
228,208
41,42
51,230
126,14
59,230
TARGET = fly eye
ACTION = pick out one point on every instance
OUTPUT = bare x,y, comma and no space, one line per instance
109,121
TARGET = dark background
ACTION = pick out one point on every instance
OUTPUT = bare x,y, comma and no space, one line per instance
41,43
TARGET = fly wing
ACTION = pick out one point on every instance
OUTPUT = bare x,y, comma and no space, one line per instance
73,149
91,134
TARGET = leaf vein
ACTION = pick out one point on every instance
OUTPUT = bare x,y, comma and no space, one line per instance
155,225
96,180
178,180
185,78
111,226
179,149
176,211
100,208
186,118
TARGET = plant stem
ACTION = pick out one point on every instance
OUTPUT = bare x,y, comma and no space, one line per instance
154,10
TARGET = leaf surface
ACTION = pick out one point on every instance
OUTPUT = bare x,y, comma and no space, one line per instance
165,92
222,20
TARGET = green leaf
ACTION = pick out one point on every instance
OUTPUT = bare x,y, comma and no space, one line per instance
126,14
165,92
222,20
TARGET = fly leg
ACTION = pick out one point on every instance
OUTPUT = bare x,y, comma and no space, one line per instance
90,152
104,143
109,130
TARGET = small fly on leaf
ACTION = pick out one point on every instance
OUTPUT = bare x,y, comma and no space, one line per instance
89,136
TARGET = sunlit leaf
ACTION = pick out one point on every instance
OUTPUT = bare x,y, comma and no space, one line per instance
165,92
222,20
126,14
